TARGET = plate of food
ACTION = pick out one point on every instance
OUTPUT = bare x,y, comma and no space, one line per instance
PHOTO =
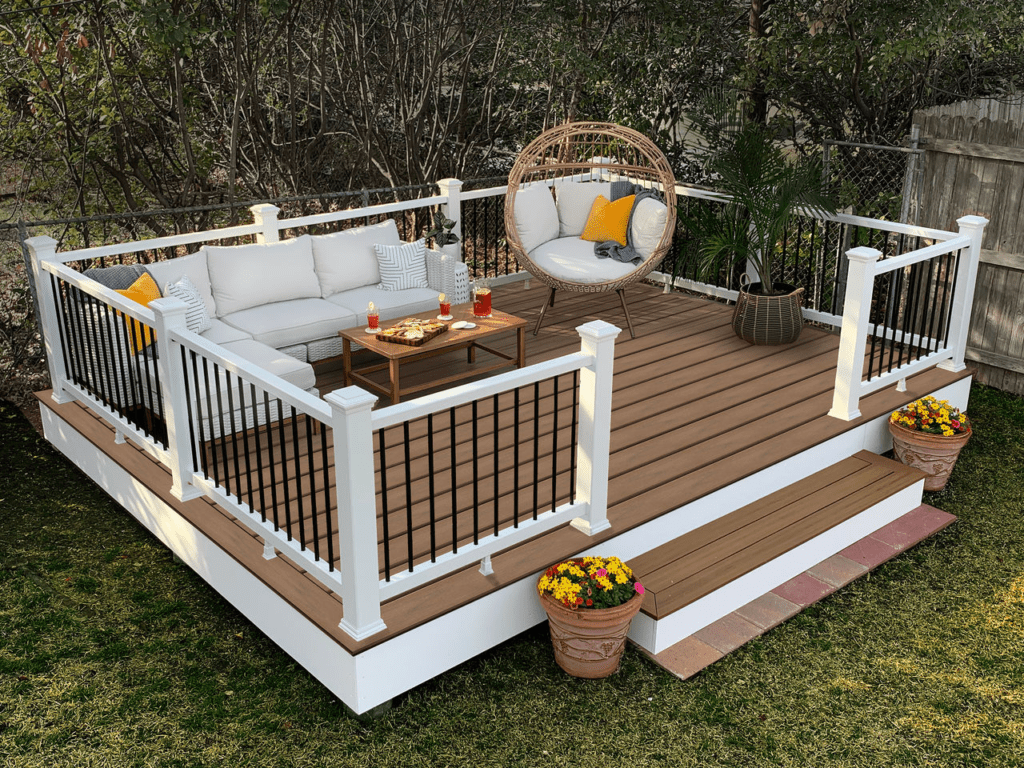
413,332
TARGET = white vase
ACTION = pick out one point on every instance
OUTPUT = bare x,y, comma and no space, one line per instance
452,251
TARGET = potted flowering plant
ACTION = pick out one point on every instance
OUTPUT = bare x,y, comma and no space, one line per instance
590,602
928,434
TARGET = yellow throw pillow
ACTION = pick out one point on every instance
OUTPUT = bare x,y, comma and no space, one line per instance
142,291
608,221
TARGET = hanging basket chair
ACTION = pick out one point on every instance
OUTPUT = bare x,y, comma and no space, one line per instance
588,152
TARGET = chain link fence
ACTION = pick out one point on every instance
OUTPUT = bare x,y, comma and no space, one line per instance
875,180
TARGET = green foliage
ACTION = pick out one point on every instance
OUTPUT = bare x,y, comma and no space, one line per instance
765,188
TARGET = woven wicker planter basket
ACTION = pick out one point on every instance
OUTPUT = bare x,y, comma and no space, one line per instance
766,320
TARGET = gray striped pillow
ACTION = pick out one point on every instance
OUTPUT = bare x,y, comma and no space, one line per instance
197,318
402,266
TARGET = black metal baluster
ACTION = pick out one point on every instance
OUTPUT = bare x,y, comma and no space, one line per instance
234,435
495,415
223,431
258,450
476,480
958,261
452,459
384,503
245,445
214,459
204,461
949,276
61,310
408,492
430,487
892,308
283,443
536,447
188,409
271,458
325,468
298,475
313,506
575,422
554,444
515,462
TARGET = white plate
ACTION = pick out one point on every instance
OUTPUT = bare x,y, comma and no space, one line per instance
460,325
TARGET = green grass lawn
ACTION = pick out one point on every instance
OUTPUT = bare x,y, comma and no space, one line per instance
112,654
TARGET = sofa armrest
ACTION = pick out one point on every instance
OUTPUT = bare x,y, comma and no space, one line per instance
447,275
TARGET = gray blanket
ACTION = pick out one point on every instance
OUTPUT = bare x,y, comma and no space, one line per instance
610,249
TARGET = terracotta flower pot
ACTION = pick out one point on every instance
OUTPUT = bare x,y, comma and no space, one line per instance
589,642
935,455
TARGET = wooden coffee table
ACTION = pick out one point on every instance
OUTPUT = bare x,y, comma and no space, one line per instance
450,341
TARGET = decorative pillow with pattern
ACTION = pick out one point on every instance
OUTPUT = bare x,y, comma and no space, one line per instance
402,266
142,291
197,318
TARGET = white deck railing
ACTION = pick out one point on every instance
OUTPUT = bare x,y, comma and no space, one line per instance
932,348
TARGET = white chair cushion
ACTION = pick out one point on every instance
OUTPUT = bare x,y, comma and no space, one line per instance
222,333
412,302
274,361
574,201
346,260
244,276
573,260
536,216
648,225
196,317
192,266
298,321
402,266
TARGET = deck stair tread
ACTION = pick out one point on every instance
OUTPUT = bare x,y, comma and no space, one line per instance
701,561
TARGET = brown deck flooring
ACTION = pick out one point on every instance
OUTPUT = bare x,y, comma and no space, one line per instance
695,410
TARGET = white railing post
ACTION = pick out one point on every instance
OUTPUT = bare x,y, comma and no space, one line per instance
595,425
169,314
860,283
44,248
357,510
452,189
265,216
963,291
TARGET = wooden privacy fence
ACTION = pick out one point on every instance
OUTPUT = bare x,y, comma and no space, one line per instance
974,163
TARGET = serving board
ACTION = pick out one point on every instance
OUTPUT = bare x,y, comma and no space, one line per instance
396,334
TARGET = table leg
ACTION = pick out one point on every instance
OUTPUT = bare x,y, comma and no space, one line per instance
395,389
346,351
521,347
471,353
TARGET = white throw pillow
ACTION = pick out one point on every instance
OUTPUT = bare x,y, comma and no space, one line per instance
575,199
536,216
648,225
196,317
402,266
346,260
194,265
244,276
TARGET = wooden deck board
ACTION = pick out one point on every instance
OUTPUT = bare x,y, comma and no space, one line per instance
695,410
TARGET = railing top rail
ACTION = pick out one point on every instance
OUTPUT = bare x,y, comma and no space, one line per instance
355,213
170,241
922,254
106,295
297,398
889,226
467,393
475,194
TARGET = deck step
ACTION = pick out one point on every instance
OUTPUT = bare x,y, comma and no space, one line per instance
711,571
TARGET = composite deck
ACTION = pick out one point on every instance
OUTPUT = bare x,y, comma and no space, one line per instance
695,410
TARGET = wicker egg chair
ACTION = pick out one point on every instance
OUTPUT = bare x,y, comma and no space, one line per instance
584,151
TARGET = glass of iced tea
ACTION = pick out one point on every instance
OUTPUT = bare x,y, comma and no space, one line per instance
482,300
372,319
446,308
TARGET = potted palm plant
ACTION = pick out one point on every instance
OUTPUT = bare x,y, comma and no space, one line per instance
765,188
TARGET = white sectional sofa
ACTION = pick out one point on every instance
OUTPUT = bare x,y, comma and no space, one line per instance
280,305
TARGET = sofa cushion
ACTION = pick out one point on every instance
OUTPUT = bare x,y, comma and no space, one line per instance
222,333
274,361
574,201
284,323
142,291
402,266
648,225
196,317
346,259
573,260
246,276
390,304
194,266
119,276
535,215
